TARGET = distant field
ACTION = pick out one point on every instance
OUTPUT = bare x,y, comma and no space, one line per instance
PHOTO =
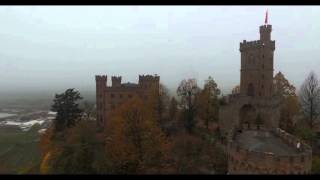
19,152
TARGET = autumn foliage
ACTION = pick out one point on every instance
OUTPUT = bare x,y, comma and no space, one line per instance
134,141
141,136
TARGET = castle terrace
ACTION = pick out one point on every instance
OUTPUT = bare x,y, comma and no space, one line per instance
264,141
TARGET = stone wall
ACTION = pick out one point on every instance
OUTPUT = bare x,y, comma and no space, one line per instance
110,97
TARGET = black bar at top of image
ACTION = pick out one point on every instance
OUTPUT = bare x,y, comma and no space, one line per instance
159,2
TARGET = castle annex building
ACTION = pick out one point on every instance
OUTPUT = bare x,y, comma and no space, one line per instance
110,97
250,119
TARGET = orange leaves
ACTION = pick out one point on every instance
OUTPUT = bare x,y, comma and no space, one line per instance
44,166
45,142
133,139
282,87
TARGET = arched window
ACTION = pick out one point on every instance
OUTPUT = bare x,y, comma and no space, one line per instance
250,91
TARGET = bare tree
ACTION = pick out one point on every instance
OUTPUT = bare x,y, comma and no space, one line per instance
310,98
187,91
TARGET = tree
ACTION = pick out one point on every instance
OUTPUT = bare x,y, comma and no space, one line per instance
306,134
187,91
89,109
289,109
173,108
310,98
236,90
67,109
134,141
208,102
163,103
197,155
78,154
315,165
286,93
282,86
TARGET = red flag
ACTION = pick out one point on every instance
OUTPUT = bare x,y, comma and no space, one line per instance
266,19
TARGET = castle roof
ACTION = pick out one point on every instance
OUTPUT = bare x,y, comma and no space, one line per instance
128,84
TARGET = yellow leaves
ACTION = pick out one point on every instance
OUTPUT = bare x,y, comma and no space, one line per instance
292,105
282,86
132,135
44,166
45,142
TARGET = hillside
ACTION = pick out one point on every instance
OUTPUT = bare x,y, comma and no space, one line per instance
19,152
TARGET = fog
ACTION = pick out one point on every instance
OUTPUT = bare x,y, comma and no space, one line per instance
45,50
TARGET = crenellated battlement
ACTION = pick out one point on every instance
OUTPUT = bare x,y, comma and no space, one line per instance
110,97
148,78
257,44
116,81
265,28
101,77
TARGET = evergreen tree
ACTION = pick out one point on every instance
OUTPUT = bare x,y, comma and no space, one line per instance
68,111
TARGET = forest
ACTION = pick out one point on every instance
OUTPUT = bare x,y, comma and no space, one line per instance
164,134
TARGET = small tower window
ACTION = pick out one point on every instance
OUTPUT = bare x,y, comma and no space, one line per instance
112,95
262,76
262,86
129,96
262,66
120,95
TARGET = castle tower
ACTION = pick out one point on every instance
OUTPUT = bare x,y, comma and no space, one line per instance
256,79
116,81
149,81
101,85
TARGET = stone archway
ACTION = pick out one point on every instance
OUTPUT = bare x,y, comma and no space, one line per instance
247,116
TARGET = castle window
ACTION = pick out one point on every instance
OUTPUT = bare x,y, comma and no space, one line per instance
112,95
112,106
259,93
262,56
262,86
129,96
262,76
302,159
120,95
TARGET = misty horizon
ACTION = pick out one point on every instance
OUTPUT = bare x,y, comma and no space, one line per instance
45,50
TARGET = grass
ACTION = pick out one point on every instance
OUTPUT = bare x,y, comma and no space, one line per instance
19,152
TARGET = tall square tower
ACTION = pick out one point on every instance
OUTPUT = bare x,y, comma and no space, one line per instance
256,78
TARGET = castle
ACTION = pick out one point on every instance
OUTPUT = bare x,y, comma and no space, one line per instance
256,87
110,97
250,118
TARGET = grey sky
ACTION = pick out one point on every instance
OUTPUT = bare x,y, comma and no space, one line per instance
58,47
